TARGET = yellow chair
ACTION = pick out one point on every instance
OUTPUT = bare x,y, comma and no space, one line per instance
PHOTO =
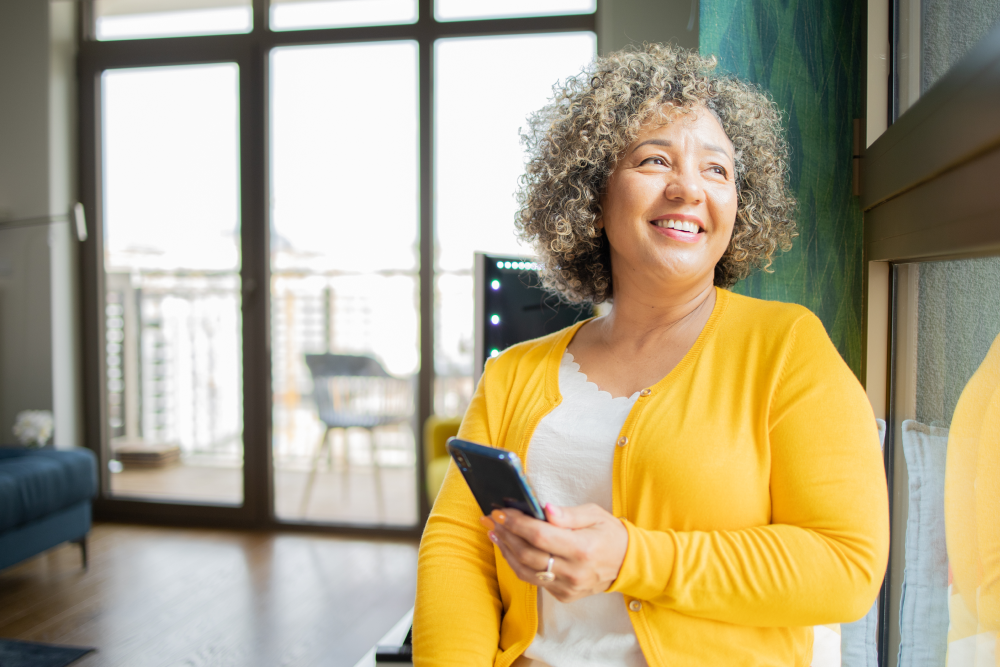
437,430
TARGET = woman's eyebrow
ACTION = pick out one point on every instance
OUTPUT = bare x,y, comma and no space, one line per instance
655,142
716,149
667,143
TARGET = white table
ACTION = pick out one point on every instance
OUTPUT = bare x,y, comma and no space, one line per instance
394,637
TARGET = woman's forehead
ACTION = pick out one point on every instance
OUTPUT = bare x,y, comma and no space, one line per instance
670,118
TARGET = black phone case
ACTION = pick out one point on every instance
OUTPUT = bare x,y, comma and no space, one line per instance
495,478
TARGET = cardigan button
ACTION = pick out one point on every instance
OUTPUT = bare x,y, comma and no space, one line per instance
635,605
622,441
645,392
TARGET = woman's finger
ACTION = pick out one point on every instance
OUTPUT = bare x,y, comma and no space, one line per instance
575,518
524,571
560,587
543,536
522,550
517,525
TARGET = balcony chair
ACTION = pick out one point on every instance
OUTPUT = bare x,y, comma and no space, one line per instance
354,392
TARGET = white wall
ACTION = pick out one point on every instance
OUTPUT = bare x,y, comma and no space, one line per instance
624,22
67,384
25,324
39,321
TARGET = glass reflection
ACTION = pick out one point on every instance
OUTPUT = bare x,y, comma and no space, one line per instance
947,603
972,519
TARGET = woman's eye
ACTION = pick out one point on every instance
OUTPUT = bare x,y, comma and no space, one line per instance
654,160
719,170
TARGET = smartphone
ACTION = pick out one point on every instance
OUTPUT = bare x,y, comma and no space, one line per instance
495,478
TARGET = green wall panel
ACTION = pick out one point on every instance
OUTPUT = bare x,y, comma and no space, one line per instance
808,54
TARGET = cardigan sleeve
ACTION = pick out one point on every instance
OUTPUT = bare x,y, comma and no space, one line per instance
823,555
456,619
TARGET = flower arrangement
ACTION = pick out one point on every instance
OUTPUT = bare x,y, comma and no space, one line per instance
33,427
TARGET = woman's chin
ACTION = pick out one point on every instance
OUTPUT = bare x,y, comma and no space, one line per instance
670,273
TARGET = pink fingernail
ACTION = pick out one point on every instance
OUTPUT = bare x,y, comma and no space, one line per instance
493,537
551,509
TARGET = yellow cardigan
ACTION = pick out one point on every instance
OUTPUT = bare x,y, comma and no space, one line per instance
751,485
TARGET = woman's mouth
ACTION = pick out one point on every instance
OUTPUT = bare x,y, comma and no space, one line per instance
679,230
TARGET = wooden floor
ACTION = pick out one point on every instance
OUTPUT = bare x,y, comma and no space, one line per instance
165,597
346,496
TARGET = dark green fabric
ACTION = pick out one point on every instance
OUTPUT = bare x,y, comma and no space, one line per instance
808,54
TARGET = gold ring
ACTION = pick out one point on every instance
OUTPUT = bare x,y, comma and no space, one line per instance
547,576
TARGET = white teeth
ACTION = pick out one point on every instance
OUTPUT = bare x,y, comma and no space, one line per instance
679,224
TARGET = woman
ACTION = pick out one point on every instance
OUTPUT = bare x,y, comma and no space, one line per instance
709,464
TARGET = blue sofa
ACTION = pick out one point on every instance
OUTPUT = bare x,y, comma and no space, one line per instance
44,500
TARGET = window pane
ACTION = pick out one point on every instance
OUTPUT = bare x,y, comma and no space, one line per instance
454,310
344,282
946,549
454,10
300,14
136,19
172,261
933,36
485,88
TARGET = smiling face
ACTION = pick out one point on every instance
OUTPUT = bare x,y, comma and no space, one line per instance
670,204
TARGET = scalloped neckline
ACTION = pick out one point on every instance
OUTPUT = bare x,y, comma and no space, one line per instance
577,378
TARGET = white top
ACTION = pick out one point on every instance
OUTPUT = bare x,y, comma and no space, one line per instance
570,462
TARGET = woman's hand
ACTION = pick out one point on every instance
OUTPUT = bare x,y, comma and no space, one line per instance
587,542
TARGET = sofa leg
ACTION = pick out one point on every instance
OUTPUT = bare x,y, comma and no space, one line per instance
83,549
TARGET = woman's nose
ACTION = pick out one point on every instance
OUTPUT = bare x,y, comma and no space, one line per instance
683,185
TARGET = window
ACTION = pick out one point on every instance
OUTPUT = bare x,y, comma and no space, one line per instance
131,19
494,83
301,14
344,276
933,314
280,291
932,36
946,461
455,10
172,306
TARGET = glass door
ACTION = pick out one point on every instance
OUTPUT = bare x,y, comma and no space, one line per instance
344,283
172,298
286,205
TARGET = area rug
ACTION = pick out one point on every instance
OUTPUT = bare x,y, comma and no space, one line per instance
15,653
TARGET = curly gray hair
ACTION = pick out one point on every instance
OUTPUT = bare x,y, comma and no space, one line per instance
574,144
